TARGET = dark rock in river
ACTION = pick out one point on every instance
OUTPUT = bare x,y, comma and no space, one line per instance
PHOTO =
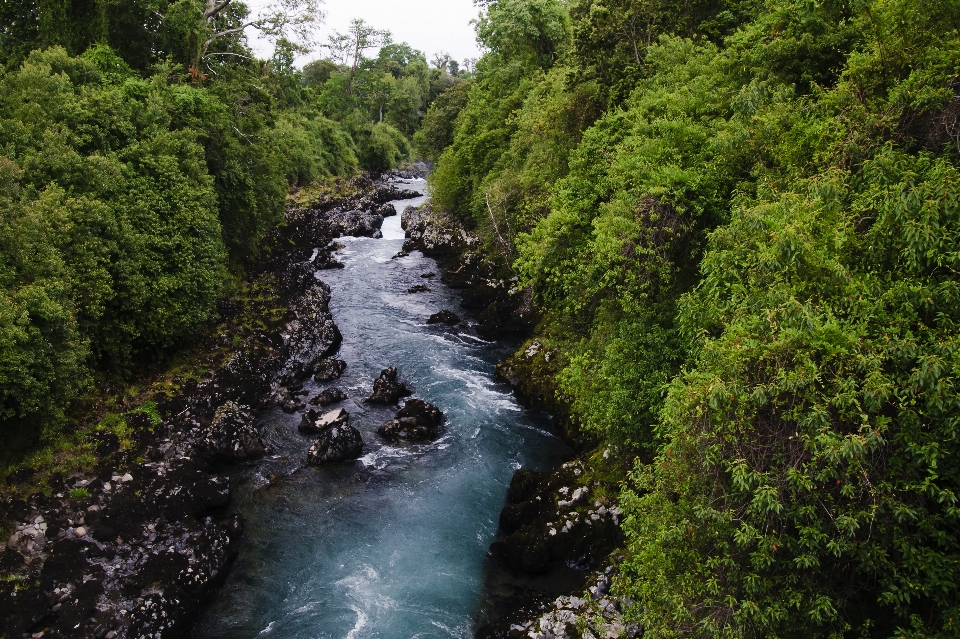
400,254
419,288
425,413
434,233
549,520
416,421
428,275
287,401
324,258
231,435
386,389
336,444
445,317
328,396
328,369
363,221
311,334
314,422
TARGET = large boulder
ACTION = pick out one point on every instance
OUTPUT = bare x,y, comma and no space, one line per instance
386,389
417,421
446,317
434,233
328,396
314,422
336,444
231,435
328,369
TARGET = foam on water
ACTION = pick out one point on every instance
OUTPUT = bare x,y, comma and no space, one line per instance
392,545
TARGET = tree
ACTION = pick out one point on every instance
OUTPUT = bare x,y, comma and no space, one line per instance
291,20
440,60
318,72
349,47
530,31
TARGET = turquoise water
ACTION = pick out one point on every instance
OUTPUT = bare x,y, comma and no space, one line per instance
391,545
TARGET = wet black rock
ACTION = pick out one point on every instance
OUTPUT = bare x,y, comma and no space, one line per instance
435,234
386,389
231,436
328,396
336,444
328,369
445,317
311,334
550,521
417,421
400,254
325,259
419,288
315,422
364,220
183,487
288,402
428,275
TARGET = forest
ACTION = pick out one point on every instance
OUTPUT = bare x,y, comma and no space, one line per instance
146,151
740,221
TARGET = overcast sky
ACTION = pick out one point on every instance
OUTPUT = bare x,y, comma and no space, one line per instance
428,25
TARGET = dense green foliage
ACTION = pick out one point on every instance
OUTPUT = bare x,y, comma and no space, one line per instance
740,223
145,154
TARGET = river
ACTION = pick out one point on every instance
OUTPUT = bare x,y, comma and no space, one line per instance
392,545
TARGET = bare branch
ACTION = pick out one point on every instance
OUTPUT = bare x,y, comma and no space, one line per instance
213,8
220,34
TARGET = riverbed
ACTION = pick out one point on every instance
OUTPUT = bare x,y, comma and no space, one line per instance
393,544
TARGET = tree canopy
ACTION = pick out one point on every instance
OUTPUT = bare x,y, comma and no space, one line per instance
739,220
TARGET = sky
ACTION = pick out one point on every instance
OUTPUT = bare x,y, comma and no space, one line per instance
428,25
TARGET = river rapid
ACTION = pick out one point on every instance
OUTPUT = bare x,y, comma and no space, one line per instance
392,545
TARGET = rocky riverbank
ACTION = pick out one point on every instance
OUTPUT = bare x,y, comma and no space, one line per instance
135,546
548,573
500,308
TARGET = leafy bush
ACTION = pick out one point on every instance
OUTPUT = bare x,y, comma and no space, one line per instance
122,202
382,147
812,448
749,263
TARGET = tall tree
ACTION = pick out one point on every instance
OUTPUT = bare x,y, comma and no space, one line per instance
289,20
348,48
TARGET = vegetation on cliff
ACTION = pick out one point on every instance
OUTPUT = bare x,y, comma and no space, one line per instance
145,154
740,222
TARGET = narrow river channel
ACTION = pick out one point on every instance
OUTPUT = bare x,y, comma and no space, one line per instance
390,546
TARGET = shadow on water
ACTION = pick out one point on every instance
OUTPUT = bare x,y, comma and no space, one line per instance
394,544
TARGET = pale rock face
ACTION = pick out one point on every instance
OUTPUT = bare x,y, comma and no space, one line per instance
332,418
314,422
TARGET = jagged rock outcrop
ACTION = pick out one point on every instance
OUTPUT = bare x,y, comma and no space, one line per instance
387,389
328,369
435,234
327,397
417,421
444,317
501,306
231,436
336,444
314,422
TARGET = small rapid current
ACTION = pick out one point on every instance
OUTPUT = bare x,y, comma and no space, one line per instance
393,545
